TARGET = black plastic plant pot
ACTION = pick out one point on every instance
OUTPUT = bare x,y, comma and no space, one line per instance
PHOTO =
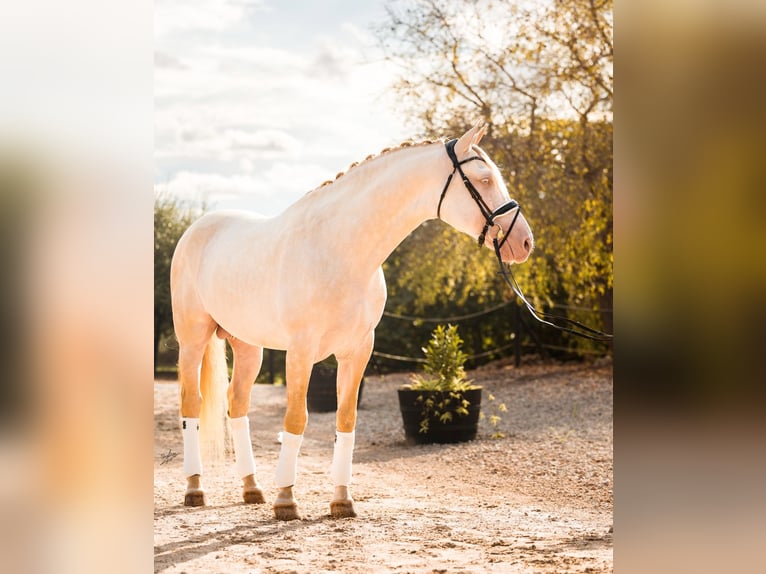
459,429
322,396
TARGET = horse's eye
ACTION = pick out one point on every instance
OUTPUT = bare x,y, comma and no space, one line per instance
485,181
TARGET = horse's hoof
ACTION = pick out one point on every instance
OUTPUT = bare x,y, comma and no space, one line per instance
286,511
342,509
194,498
253,496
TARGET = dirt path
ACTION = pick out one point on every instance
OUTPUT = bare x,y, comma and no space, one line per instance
538,500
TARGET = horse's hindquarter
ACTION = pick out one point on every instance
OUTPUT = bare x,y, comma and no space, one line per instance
238,277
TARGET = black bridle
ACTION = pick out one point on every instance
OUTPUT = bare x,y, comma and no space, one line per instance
489,215
575,327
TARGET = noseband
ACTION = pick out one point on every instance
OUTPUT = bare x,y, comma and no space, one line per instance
486,212
572,326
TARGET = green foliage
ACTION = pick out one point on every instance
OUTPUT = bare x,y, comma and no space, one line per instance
445,374
444,382
442,406
442,267
439,272
494,418
547,95
444,363
171,219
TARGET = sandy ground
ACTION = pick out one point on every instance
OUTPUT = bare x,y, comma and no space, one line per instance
538,500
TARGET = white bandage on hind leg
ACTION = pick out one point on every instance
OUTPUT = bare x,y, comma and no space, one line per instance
342,457
243,448
287,466
192,458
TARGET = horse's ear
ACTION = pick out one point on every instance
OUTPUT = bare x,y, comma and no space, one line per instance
469,138
481,133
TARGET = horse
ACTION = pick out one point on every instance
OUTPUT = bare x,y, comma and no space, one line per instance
309,281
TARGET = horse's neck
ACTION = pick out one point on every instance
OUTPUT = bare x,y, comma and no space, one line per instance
374,207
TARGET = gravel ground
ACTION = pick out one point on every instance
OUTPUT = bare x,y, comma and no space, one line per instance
537,500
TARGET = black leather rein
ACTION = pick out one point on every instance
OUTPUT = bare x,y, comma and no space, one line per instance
574,327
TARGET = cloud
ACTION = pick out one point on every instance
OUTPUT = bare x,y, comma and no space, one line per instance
180,137
331,62
249,60
266,143
168,62
196,186
274,188
362,38
171,16
284,115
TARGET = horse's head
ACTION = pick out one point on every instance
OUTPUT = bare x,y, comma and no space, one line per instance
476,200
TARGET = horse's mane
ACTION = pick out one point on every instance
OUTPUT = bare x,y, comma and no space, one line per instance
373,156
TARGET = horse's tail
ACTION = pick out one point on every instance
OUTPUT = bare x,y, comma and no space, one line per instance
214,380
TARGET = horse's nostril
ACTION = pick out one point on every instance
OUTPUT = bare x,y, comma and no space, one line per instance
527,246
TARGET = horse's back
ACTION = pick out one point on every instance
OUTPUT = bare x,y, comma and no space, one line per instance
211,228
216,222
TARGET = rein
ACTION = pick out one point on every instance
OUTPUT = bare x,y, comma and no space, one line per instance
573,327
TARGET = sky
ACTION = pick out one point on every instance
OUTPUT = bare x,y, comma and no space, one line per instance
258,101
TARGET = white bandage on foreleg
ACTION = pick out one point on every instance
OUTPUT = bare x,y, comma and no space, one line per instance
243,448
342,457
192,458
287,466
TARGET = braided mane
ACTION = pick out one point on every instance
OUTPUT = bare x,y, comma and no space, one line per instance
373,156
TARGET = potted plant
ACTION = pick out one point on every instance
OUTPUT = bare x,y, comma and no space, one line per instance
322,393
441,405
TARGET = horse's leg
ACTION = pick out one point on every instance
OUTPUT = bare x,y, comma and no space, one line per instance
297,371
247,363
192,345
350,372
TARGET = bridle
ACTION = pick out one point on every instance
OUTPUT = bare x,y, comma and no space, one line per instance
575,327
489,215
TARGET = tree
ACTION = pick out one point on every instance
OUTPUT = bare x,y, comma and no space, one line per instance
170,221
541,75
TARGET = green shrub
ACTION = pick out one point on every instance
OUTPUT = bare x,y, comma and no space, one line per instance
444,373
444,369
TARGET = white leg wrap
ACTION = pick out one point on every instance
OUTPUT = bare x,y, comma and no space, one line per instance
192,458
243,448
287,466
341,458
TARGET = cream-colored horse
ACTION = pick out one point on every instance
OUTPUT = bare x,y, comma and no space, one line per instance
309,281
